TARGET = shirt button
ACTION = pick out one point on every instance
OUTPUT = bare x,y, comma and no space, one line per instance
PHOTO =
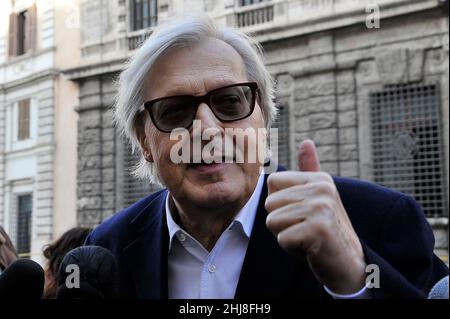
212,268
182,237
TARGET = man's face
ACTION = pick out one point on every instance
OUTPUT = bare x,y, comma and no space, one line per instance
196,70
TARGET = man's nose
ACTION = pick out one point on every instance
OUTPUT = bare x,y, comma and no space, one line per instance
207,117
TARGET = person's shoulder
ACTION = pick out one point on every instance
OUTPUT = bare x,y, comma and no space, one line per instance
366,203
356,189
117,226
369,205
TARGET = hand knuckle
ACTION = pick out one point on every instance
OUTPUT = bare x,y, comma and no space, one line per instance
322,228
319,206
326,177
324,188
328,214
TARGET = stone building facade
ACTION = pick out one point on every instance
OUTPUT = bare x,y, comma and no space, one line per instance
372,94
37,122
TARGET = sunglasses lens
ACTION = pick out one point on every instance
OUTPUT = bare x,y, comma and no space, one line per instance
173,113
232,103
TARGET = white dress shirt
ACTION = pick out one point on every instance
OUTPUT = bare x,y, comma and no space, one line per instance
195,273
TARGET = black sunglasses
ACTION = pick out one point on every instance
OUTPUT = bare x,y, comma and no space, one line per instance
229,103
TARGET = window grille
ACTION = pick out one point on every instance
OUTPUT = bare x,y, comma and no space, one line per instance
24,218
407,144
282,124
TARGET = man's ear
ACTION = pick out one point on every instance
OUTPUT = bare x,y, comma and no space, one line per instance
142,137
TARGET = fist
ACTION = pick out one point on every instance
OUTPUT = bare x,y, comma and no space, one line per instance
309,220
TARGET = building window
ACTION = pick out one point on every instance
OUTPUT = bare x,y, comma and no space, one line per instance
282,124
21,124
407,144
23,120
21,20
251,16
23,224
250,2
22,32
143,14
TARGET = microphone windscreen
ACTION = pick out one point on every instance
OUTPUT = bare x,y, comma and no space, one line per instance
23,279
439,290
85,291
98,274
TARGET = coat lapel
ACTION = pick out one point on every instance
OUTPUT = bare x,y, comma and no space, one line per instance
147,254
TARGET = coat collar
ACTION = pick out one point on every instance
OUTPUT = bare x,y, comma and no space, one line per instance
147,254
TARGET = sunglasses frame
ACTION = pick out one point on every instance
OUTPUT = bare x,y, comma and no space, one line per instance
207,100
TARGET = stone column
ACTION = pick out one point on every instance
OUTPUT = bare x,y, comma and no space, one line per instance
96,149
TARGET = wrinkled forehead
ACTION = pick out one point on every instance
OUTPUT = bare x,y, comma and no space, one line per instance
194,69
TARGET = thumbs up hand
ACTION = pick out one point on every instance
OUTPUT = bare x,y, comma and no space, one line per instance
309,220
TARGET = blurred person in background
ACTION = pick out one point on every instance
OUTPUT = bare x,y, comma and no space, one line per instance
55,252
7,251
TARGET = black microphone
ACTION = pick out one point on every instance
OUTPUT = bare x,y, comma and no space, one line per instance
439,290
88,272
23,279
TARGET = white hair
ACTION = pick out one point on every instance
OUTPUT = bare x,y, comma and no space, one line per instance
130,98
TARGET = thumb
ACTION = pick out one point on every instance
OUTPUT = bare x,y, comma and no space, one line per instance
308,160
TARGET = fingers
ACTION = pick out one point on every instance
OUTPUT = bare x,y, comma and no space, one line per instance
308,160
286,216
281,180
298,212
287,196
297,239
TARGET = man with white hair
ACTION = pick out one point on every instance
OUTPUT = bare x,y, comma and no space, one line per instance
222,227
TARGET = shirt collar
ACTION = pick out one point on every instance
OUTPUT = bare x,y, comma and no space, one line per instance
245,217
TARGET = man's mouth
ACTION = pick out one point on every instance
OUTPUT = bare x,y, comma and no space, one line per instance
211,161
210,165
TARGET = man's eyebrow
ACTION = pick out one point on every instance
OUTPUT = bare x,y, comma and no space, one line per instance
176,90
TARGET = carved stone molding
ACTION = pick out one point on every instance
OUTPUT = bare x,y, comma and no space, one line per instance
285,82
400,66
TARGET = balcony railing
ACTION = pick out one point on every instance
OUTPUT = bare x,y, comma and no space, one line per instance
136,38
251,15
254,16
268,14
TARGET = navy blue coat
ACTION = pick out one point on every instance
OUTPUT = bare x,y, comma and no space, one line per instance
391,226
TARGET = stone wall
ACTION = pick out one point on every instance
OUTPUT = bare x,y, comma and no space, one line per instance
96,151
325,69
327,77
